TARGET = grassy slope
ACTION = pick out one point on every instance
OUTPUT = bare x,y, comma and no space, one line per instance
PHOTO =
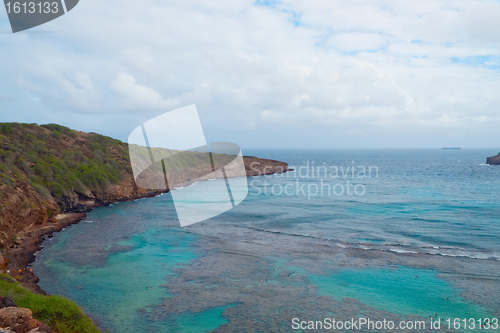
62,315
46,169
58,161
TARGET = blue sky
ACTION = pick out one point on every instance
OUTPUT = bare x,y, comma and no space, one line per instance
292,74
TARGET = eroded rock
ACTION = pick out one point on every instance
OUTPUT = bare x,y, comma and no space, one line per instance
6,302
20,320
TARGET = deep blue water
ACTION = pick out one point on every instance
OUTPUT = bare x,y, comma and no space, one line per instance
421,197
408,233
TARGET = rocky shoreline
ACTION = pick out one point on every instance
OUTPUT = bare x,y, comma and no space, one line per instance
30,242
18,259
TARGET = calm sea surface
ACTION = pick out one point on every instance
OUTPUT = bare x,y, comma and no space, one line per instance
381,234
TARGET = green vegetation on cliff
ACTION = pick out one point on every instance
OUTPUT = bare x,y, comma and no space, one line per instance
51,168
62,315
48,169
58,161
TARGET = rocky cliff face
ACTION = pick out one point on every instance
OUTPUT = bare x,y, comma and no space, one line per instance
50,169
47,170
493,160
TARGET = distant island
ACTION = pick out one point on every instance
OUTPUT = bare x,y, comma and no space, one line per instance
51,175
452,148
493,160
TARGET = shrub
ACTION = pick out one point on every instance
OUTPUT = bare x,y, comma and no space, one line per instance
4,179
58,135
6,128
42,136
56,189
41,190
72,134
56,127
17,173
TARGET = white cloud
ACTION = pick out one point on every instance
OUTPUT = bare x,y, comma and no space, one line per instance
300,66
137,97
140,61
355,41
81,91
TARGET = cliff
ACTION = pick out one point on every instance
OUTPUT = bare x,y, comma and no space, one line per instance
51,169
493,160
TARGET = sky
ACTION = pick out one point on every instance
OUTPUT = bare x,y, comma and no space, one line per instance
265,74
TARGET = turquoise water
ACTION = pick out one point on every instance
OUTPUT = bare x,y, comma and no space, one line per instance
421,241
199,322
129,279
120,287
401,290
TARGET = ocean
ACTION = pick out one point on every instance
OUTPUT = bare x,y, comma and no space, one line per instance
392,236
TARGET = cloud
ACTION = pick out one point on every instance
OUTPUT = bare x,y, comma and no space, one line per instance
141,62
384,68
355,41
81,91
139,97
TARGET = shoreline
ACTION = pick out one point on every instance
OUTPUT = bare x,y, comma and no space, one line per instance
30,242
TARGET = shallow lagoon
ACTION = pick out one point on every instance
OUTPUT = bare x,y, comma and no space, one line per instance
316,257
